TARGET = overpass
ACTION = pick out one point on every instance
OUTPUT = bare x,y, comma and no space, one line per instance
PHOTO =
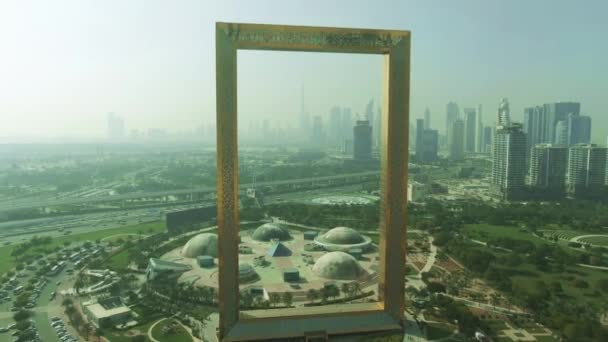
199,190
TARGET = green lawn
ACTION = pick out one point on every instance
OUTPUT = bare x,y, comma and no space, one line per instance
389,338
9,262
596,240
179,333
126,336
436,331
546,339
119,260
484,232
564,234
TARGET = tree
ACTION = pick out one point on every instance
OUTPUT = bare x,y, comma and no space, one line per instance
287,299
138,338
355,288
67,302
99,333
312,295
274,298
346,290
602,284
22,325
324,292
86,330
22,315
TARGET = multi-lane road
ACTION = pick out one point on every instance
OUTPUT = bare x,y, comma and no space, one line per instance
48,202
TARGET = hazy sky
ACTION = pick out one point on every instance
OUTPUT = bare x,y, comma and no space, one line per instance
65,64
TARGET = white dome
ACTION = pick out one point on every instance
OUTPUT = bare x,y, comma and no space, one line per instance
339,266
342,236
246,272
201,244
269,231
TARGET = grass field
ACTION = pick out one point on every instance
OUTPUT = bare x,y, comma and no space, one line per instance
485,232
436,331
146,228
179,335
563,234
119,336
596,240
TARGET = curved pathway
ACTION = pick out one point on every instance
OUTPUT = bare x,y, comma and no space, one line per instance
152,327
578,238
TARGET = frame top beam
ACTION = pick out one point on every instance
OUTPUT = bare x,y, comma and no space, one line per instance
311,39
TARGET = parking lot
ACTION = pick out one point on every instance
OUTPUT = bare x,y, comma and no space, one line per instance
45,307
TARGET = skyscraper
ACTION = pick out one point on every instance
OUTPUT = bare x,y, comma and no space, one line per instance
456,142
470,129
419,135
452,114
509,161
561,133
535,126
347,125
586,170
427,118
318,135
305,125
430,142
116,127
579,129
555,112
548,167
377,128
504,114
335,136
479,146
362,137
488,134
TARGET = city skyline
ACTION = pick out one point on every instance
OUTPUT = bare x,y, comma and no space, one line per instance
77,66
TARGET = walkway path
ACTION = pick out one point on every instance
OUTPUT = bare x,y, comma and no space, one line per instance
604,268
209,329
416,280
580,237
485,306
152,327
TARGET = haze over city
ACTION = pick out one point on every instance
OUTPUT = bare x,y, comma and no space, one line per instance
67,64
469,202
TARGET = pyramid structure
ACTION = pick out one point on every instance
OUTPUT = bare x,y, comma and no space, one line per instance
277,249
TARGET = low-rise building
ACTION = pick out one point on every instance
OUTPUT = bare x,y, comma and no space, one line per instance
416,192
108,311
171,269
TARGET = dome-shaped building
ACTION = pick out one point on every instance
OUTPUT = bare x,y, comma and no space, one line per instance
201,244
342,239
343,236
270,231
338,266
247,272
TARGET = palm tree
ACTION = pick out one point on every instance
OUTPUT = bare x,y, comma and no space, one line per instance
287,299
312,295
324,294
99,332
355,288
334,292
67,302
346,290
275,298
86,330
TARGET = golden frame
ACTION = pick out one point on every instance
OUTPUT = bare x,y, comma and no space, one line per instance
387,314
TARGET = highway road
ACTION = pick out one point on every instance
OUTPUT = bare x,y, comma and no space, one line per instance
29,204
